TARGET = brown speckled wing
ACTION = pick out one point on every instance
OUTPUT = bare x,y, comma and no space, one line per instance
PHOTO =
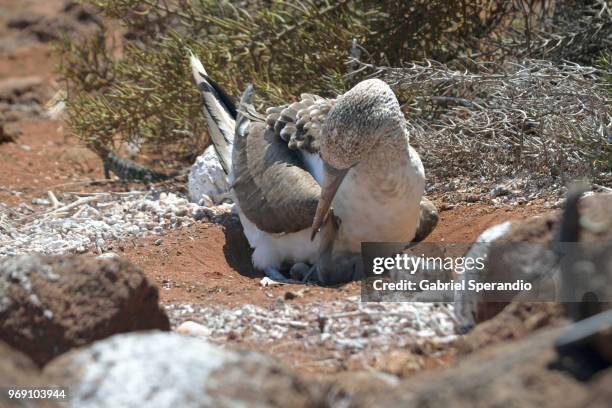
299,124
271,184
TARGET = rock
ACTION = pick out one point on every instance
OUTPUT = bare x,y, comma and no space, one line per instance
207,180
40,201
516,374
8,133
528,250
193,329
499,190
428,220
17,371
23,20
466,303
586,271
169,370
400,363
13,88
600,393
73,19
50,304
355,384
421,272
5,137
21,97
515,321
108,255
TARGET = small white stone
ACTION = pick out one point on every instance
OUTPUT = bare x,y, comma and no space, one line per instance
193,329
206,201
181,212
40,201
108,255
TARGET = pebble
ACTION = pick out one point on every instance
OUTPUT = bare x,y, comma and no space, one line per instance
111,217
108,255
499,191
193,329
200,214
40,201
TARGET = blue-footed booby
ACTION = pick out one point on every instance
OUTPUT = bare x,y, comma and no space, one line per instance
343,166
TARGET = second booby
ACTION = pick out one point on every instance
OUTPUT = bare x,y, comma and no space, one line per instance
290,167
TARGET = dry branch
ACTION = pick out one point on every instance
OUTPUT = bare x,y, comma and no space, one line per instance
497,120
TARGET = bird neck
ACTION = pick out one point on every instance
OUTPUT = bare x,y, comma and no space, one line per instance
393,152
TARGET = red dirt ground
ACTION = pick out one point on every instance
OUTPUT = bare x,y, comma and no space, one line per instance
193,263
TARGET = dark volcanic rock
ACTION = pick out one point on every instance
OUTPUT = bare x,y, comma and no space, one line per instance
75,19
14,90
167,370
527,250
50,304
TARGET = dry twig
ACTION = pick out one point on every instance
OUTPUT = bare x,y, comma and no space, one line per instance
498,120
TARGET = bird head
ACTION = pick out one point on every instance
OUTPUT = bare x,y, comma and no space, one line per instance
358,123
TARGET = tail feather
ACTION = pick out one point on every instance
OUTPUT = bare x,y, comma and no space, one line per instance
220,113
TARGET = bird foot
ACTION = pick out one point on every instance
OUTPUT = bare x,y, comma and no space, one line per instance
275,277
345,269
304,273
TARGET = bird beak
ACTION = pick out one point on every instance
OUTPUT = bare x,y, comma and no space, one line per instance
332,180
